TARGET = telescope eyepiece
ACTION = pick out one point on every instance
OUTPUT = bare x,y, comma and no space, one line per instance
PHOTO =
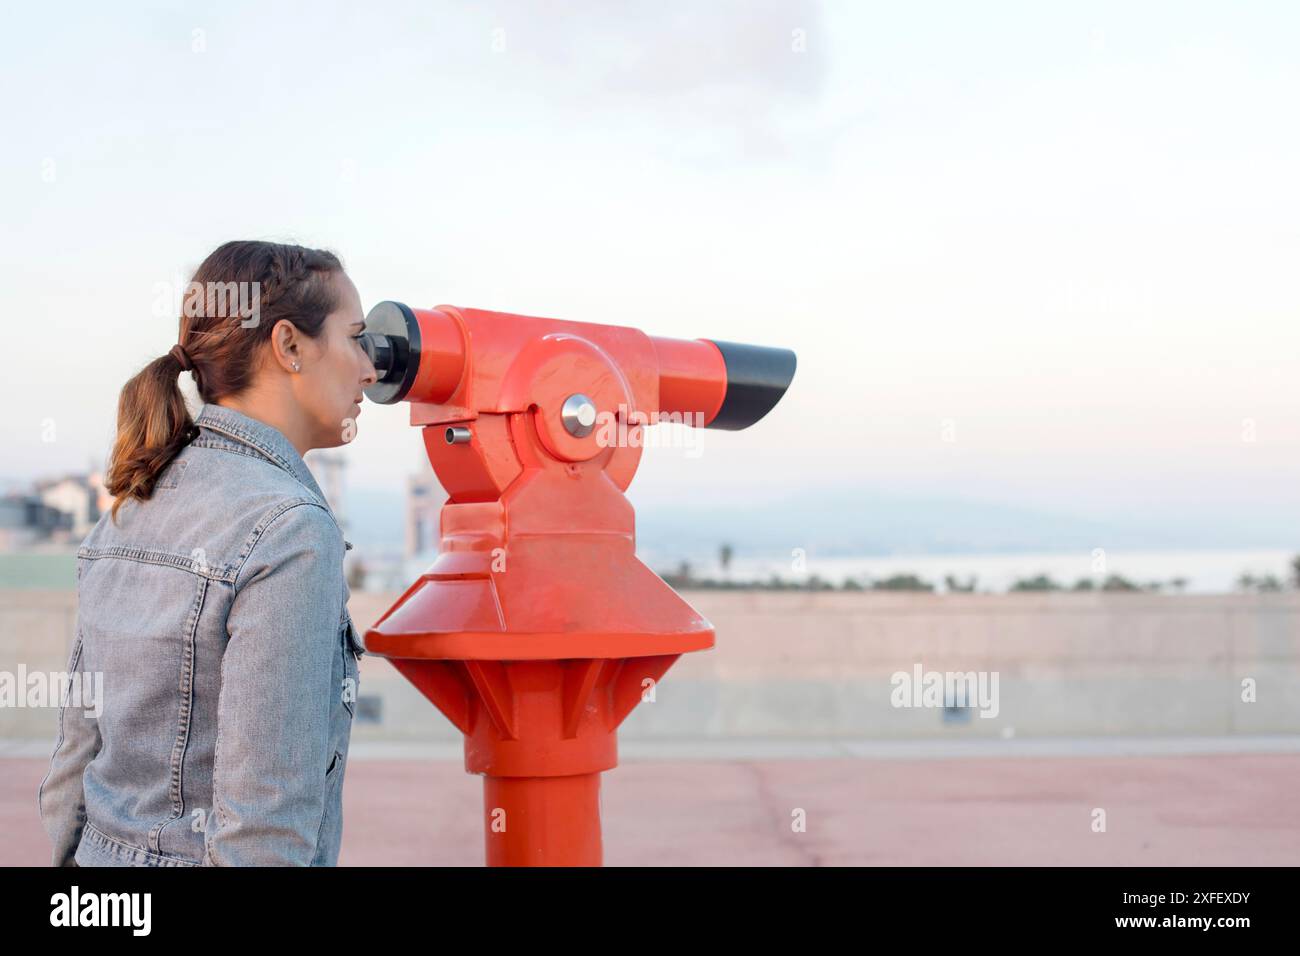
392,340
381,350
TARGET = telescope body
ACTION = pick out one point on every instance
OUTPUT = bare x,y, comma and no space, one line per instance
537,630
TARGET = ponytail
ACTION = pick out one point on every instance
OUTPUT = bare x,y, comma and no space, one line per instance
153,425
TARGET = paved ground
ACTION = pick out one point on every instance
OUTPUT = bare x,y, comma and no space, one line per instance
890,806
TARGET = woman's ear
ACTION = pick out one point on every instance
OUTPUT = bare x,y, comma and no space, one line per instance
286,346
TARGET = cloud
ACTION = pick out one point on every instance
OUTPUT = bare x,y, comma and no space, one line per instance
718,82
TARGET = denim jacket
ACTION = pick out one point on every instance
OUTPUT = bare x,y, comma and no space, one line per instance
216,612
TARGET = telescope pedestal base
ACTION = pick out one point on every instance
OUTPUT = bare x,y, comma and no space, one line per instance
538,669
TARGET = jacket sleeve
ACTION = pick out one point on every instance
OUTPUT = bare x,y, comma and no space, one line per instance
62,795
277,688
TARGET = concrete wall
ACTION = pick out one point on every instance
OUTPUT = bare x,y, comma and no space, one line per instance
793,664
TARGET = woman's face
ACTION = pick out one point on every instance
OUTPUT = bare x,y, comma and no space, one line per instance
335,369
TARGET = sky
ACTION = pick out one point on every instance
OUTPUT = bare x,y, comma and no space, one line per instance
1033,255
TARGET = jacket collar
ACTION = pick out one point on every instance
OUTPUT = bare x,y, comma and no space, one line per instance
267,439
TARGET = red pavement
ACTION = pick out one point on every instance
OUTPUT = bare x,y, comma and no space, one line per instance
1166,810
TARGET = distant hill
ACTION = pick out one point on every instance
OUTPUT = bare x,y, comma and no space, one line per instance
843,522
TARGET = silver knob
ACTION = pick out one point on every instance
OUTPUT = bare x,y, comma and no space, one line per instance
579,415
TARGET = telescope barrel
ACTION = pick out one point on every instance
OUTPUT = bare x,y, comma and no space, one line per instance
729,385
420,356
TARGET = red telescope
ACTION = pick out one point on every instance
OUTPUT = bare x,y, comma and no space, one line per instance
537,630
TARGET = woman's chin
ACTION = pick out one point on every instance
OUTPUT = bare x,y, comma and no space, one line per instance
346,429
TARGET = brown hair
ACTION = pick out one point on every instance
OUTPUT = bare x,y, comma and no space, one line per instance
269,281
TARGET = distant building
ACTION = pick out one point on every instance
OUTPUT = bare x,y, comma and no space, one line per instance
78,497
328,468
424,499
58,511
26,521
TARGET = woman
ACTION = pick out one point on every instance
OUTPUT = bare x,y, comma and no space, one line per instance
212,597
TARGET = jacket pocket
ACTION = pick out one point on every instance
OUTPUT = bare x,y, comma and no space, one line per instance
354,638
